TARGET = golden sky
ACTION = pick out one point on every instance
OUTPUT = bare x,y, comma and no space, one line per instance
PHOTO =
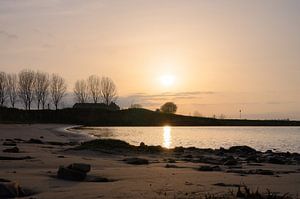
222,56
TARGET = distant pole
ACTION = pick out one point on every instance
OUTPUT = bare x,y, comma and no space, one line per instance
240,114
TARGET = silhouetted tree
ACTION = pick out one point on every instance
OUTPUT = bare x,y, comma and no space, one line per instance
108,90
41,88
94,87
58,89
81,91
3,88
169,107
26,87
12,88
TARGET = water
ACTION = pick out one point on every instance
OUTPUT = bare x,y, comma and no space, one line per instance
261,138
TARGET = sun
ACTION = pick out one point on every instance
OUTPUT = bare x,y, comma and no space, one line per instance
167,80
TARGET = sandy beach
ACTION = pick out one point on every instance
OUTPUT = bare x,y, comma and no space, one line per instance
153,180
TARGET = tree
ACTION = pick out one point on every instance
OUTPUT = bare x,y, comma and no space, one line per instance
169,107
3,88
12,88
26,87
58,89
81,91
108,90
94,87
41,88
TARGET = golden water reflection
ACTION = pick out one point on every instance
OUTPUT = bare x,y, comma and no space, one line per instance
167,137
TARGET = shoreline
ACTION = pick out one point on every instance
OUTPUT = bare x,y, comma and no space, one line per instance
88,130
167,174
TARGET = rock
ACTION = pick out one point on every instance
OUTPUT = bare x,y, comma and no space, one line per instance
179,149
221,184
276,160
70,174
9,143
136,161
35,141
12,190
241,150
170,160
252,158
189,156
263,172
230,161
80,167
12,150
15,158
9,190
171,166
209,168
98,179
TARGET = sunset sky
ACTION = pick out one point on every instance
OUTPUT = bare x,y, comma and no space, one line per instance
214,57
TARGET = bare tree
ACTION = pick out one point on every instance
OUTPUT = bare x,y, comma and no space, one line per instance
12,88
3,88
41,88
58,89
94,87
81,91
108,90
26,87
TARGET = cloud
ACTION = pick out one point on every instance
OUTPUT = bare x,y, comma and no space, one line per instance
156,99
8,35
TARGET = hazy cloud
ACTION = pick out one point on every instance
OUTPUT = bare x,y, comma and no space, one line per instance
156,99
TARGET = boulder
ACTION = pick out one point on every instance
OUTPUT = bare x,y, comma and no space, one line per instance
70,174
241,150
12,150
80,167
136,161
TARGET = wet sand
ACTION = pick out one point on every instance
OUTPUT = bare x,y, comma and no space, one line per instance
153,180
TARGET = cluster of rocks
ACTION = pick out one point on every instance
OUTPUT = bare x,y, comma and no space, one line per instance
236,155
74,172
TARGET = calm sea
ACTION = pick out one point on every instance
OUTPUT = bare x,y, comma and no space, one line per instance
261,138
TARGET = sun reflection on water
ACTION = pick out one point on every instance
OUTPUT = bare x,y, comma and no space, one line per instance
167,137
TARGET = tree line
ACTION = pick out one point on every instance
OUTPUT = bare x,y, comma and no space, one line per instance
28,87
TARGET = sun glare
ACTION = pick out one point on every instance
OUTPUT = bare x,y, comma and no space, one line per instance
167,137
167,80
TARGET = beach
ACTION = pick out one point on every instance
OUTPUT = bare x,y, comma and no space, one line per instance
166,175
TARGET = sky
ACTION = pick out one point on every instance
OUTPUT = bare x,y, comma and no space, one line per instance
210,57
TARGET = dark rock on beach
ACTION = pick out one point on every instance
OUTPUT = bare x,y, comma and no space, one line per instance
74,172
9,143
70,174
13,190
12,150
35,141
15,158
209,168
136,161
241,150
80,167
